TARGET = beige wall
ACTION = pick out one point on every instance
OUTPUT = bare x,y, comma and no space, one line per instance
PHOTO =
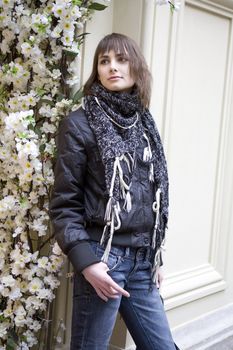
190,56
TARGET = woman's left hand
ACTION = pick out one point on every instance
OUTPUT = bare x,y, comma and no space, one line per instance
159,277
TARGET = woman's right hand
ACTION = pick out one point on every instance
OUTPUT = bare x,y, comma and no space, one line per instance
105,287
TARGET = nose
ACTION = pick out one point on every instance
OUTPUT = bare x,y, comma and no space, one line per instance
113,66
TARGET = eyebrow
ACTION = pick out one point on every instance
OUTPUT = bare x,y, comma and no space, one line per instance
105,55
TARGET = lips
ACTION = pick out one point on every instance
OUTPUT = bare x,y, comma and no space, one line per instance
115,77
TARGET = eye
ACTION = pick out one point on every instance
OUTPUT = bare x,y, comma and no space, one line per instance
123,59
104,61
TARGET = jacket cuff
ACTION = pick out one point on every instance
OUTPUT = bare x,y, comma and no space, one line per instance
81,256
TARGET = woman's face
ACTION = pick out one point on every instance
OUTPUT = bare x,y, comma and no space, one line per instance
114,72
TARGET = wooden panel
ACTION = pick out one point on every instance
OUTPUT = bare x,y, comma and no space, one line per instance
194,144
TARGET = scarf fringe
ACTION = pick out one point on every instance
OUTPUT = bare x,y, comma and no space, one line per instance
157,260
113,209
156,210
147,154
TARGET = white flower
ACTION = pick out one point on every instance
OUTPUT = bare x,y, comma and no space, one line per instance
42,262
3,329
8,312
45,294
7,4
8,281
52,281
56,249
48,128
56,32
29,148
15,293
31,339
30,76
34,324
26,49
22,346
35,285
75,12
19,310
67,38
59,10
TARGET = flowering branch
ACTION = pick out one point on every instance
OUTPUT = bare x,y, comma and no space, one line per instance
40,45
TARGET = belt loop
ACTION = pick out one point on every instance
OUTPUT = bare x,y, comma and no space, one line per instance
148,253
127,251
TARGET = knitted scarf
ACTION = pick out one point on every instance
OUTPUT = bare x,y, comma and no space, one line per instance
120,123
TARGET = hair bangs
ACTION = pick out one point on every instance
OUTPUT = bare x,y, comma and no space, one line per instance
115,44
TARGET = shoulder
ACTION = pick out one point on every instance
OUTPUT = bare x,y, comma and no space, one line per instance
77,118
76,123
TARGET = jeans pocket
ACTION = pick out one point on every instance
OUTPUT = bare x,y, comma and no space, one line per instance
114,259
113,264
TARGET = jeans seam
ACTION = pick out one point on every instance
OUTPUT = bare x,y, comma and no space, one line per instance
141,325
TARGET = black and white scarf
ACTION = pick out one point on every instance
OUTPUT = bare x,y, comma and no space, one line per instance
119,123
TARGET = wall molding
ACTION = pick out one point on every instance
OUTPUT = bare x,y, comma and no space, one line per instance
213,6
207,332
189,285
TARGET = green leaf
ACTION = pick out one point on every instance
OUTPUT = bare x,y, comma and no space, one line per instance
11,340
97,6
2,318
77,96
47,101
77,2
83,35
22,135
42,148
41,92
70,53
60,97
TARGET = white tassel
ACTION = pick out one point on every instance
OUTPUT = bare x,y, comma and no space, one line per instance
108,210
157,260
117,211
147,153
156,209
151,173
102,240
109,243
131,159
156,265
127,160
128,202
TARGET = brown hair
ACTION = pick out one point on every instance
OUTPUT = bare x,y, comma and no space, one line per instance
138,67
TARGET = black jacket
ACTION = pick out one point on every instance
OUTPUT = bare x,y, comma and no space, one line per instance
79,198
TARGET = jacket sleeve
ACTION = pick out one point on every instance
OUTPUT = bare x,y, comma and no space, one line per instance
67,202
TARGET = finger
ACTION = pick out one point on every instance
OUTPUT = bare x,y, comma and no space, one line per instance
110,293
101,294
117,288
104,294
160,282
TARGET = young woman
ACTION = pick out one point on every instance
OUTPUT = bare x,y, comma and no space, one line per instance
110,203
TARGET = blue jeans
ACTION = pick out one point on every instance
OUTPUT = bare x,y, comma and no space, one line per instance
93,319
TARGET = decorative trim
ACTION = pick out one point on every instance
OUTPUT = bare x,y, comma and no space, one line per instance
190,285
187,286
212,7
207,332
